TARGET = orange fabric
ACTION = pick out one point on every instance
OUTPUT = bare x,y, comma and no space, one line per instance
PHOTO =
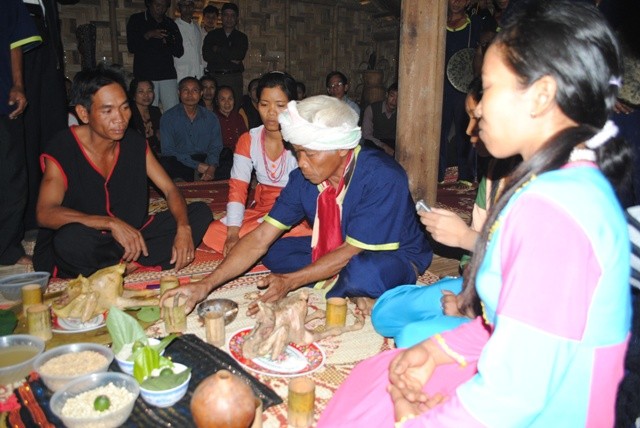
265,197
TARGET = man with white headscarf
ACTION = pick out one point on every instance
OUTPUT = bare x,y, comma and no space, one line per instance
366,237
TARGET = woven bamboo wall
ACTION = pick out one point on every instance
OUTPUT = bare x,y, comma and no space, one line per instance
308,38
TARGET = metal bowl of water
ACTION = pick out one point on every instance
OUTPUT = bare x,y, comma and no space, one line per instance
225,306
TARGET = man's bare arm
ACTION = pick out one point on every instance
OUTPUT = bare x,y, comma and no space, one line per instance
242,256
51,214
183,250
329,265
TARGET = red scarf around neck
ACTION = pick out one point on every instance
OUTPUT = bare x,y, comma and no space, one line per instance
329,218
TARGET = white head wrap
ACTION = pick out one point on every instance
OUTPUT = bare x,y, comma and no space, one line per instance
332,124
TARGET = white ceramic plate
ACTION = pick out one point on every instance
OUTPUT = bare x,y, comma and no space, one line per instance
297,361
69,325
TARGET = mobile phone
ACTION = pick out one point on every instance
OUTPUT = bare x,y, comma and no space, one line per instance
421,205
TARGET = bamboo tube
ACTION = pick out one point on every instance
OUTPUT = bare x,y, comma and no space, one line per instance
301,402
214,328
336,312
168,282
39,321
31,295
173,313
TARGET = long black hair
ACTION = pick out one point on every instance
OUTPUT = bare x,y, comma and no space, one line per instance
572,43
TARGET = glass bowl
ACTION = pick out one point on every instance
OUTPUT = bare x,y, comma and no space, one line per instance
120,409
10,286
55,382
18,352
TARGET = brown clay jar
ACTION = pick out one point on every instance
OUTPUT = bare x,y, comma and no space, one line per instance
223,400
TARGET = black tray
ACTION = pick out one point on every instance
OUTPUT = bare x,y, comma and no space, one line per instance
190,350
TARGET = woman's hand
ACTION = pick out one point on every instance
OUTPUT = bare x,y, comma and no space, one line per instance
448,228
410,370
449,302
405,409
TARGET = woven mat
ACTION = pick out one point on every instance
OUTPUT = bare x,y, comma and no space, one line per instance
342,353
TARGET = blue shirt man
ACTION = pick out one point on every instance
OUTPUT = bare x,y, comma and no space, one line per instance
191,136
366,236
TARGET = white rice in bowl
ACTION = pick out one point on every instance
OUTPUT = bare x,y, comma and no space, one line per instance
81,406
74,364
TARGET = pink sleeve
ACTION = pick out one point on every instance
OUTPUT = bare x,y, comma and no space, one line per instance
544,285
465,343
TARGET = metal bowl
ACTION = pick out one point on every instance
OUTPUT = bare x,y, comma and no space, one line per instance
225,306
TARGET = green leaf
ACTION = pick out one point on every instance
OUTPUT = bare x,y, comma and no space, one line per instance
159,347
164,342
149,314
8,322
146,360
162,383
123,329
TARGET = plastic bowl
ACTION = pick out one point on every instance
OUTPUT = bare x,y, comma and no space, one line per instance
17,355
127,366
104,419
55,383
10,286
227,307
168,397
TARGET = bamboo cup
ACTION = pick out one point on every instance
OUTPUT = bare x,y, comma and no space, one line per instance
39,321
174,315
336,312
31,295
257,420
168,282
301,402
214,328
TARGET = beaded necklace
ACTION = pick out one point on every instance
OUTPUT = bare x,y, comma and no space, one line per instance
275,169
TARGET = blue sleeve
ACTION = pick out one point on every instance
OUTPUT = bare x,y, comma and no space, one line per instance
170,136
22,30
215,142
289,208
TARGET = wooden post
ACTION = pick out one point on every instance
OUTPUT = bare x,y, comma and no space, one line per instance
420,80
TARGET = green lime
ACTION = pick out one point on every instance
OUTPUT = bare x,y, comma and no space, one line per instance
101,403
166,372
